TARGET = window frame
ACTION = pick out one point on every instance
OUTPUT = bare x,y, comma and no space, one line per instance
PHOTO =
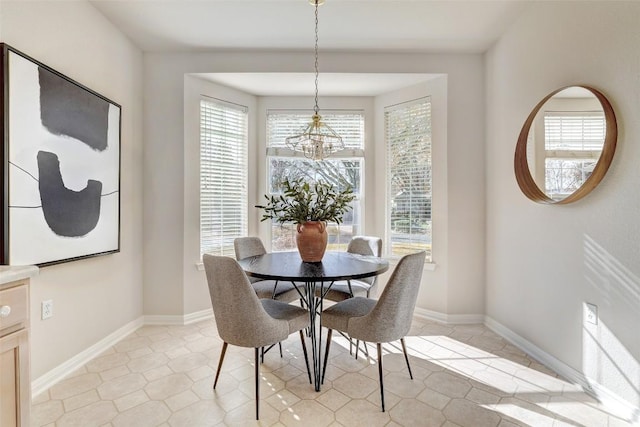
349,153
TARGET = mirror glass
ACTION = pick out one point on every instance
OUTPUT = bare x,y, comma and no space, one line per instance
563,142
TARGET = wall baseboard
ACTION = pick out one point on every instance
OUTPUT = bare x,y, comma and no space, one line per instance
198,316
179,320
610,400
450,319
58,373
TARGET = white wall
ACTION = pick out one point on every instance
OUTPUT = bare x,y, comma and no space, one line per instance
544,262
94,297
165,254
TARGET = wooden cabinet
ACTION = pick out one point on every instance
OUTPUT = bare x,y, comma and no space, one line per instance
15,378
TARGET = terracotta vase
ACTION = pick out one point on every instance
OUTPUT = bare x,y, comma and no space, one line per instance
312,240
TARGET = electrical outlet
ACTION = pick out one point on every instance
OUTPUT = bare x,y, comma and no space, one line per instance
591,313
47,309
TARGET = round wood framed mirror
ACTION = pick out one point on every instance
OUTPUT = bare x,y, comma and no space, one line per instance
566,145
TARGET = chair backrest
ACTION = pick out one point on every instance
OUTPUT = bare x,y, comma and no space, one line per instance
366,245
391,318
246,247
240,317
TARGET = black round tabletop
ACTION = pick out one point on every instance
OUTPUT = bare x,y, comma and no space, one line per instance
334,266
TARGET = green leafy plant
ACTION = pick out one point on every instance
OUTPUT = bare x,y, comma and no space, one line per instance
302,202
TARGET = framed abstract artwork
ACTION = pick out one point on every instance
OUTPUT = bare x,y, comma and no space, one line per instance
60,166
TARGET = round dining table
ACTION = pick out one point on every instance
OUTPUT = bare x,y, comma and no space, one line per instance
313,280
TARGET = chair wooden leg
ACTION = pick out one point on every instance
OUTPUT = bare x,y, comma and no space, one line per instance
280,345
257,357
380,374
224,350
406,356
306,357
326,354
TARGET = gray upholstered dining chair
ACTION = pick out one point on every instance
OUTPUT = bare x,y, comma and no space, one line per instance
246,247
385,320
342,290
245,320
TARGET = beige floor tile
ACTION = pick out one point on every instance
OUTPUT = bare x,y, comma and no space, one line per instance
40,398
80,400
401,384
148,414
134,354
284,399
360,412
131,343
95,414
188,362
300,387
147,362
434,399
518,411
307,413
114,373
107,362
576,411
411,412
245,415
466,413
231,400
201,372
168,386
46,412
482,397
74,386
151,330
130,400
121,386
333,399
449,384
157,373
203,413
181,400
355,385
464,376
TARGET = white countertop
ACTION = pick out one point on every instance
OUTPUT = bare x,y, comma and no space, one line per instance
11,273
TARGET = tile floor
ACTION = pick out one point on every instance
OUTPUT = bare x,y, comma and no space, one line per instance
464,375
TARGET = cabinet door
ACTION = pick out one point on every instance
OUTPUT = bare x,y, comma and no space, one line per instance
15,393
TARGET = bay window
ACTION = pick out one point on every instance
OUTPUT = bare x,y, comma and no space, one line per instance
343,169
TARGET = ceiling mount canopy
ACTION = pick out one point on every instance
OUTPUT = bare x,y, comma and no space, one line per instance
317,140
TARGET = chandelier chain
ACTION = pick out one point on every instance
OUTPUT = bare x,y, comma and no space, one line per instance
316,109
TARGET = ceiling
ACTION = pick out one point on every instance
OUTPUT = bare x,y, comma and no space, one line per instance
458,26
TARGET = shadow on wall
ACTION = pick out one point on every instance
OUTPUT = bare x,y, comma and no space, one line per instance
606,360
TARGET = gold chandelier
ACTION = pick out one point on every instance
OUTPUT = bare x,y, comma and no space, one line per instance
317,140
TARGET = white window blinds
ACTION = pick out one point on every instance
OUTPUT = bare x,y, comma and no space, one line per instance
408,140
223,175
574,131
